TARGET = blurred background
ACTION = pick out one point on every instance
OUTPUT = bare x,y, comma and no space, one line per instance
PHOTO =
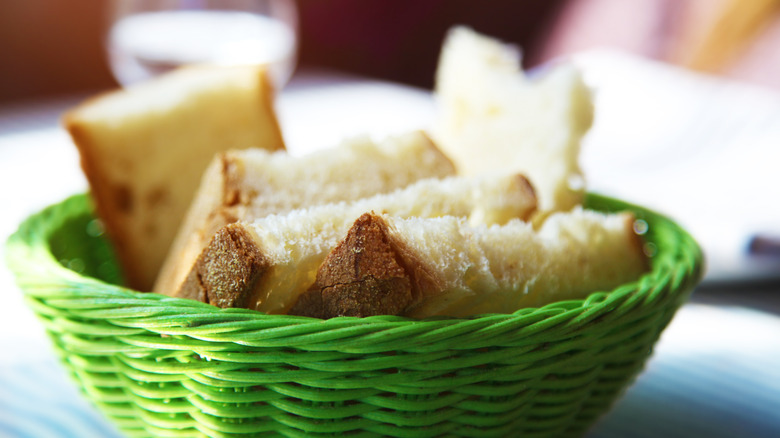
686,91
56,47
691,83
687,99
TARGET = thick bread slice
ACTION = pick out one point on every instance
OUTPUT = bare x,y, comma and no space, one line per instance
424,267
250,184
492,117
143,150
265,265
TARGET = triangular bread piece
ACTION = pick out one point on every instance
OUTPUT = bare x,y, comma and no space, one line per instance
492,117
144,148
423,267
250,184
266,264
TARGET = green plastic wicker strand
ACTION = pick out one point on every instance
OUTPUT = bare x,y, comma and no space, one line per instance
166,367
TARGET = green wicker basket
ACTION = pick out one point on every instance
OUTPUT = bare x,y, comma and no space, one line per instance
166,367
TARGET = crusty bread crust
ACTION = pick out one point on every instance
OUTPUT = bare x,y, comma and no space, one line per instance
111,202
226,273
368,273
246,185
297,242
443,267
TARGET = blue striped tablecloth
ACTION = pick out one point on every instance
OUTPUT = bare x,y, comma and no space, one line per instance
715,373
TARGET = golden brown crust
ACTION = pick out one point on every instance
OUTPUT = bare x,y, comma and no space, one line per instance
267,97
233,172
227,270
362,276
206,215
235,196
368,273
111,201
142,206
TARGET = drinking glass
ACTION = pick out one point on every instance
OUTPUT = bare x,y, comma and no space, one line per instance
149,37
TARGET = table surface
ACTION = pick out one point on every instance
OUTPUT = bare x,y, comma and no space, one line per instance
715,372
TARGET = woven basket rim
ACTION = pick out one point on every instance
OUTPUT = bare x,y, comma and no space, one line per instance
139,356
28,255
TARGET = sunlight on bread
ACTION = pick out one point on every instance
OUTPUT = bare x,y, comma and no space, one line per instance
483,214
249,184
492,117
143,150
445,267
279,254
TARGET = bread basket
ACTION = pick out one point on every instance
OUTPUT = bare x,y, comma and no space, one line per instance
166,367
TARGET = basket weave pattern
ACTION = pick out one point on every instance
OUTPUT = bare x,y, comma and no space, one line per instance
167,367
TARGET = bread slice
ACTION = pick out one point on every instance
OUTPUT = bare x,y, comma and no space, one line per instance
424,267
143,150
250,184
265,265
492,117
